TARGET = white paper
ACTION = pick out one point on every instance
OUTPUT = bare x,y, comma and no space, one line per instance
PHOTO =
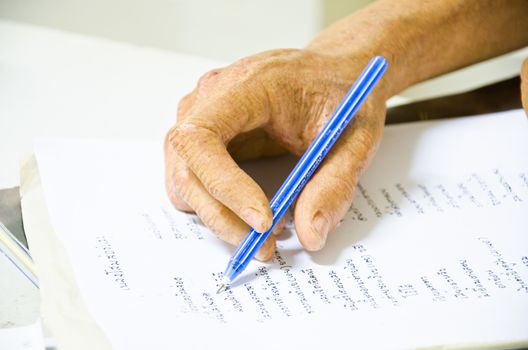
27,337
433,251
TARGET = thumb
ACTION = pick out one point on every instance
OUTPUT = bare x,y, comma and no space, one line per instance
328,195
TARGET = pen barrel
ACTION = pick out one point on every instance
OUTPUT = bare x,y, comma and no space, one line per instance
327,137
245,252
309,162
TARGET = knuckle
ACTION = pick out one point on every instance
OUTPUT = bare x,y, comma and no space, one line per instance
167,143
173,137
217,187
174,197
178,202
185,104
182,178
208,78
181,136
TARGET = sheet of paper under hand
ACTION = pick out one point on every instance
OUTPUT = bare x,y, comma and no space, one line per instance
433,251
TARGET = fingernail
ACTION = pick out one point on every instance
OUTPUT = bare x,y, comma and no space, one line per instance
322,226
255,219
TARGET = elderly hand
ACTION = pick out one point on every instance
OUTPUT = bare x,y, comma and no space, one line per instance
260,106
277,101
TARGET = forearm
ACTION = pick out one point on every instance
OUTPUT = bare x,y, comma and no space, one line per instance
423,39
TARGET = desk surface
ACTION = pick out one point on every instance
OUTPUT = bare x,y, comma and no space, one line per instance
54,83
66,85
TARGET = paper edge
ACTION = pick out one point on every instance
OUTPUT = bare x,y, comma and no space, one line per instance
474,345
63,310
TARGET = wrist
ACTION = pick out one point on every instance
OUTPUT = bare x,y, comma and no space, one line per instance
421,40
346,68
352,55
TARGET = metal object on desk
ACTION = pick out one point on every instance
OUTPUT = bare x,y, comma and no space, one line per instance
17,254
11,213
15,247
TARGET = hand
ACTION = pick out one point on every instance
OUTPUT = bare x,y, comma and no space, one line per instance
265,105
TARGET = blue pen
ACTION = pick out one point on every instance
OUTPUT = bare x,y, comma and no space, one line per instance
306,166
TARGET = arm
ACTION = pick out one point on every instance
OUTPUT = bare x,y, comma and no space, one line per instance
278,100
423,39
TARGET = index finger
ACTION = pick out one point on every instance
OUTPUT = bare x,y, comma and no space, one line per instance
201,141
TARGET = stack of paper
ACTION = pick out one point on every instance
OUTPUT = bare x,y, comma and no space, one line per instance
434,250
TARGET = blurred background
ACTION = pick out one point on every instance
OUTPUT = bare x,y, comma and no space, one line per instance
225,30
220,29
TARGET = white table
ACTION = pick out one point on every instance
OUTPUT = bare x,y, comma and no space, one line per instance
54,83
58,84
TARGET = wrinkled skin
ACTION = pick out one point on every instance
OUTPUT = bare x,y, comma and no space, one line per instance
266,105
277,101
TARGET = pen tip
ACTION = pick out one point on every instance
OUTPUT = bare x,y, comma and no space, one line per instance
221,289
224,283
